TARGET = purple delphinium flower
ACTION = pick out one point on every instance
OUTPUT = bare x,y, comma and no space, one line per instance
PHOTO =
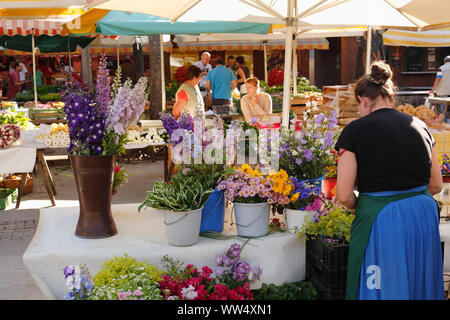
103,90
84,121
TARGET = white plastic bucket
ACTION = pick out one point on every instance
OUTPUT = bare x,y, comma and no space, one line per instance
252,219
183,228
295,219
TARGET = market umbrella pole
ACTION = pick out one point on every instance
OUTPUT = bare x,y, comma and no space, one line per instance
287,67
70,60
368,48
34,67
265,61
118,53
294,66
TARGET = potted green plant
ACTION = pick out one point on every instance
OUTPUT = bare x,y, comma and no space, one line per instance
208,175
182,200
327,246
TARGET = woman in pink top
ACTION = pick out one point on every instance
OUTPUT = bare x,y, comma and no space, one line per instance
14,84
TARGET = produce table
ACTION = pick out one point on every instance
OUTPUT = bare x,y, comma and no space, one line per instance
441,100
142,236
18,160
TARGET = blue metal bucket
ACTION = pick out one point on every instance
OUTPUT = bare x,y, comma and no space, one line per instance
213,212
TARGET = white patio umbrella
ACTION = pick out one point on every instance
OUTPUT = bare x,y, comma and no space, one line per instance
411,14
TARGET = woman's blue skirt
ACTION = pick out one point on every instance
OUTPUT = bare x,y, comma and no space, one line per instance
403,259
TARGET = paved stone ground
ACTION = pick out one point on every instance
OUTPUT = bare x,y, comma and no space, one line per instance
17,227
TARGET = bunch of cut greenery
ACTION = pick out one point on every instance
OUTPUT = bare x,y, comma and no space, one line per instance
183,193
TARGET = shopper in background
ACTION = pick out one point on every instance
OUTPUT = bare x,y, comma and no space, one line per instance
242,74
14,84
188,97
255,103
205,67
39,78
231,64
22,74
395,250
221,81
44,66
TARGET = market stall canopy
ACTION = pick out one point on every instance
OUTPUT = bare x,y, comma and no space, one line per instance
45,43
124,23
406,13
45,17
432,38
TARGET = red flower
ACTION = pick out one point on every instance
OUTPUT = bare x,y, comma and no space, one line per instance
117,169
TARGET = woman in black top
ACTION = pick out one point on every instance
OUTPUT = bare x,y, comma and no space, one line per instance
243,72
394,240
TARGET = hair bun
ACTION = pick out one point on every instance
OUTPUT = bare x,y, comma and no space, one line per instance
379,73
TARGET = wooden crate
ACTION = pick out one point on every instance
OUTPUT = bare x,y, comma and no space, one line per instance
298,111
52,113
299,101
332,89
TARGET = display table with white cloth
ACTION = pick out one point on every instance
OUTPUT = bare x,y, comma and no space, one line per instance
17,160
142,236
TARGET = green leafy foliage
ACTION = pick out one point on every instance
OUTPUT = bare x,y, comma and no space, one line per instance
17,118
183,193
302,290
171,89
113,143
303,85
207,174
46,92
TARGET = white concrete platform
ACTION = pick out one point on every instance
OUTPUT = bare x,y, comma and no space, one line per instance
142,236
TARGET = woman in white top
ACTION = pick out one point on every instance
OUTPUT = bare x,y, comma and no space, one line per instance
188,97
255,103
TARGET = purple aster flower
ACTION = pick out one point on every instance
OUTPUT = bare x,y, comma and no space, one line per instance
219,259
219,271
241,271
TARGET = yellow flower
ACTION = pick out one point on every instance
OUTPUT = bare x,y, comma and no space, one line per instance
255,173
286,189
246,169
283,174
295,197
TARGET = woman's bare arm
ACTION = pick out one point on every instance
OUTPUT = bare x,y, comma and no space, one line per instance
435,184
346,176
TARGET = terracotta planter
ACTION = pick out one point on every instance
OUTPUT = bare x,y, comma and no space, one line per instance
94,178
329,187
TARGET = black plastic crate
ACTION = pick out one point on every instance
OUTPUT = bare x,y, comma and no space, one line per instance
326,268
